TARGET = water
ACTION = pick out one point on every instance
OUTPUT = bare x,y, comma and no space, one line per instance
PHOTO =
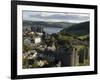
51,30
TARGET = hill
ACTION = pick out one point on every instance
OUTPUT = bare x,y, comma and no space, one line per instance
48,24
78,29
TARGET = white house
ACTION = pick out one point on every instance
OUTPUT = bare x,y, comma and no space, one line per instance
37,40
40,34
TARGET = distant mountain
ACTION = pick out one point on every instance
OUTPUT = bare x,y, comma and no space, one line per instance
48,24
78,29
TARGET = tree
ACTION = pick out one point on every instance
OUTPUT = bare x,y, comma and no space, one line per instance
26,48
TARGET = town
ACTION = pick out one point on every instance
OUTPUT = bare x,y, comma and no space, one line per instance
41,49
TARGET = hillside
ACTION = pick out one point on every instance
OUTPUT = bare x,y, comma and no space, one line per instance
78,29
48,24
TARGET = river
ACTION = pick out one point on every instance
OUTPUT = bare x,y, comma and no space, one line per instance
51,30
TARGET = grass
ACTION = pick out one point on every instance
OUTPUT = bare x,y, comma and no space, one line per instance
83,37
79,47
86,63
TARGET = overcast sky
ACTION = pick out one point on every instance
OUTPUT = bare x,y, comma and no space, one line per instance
55,17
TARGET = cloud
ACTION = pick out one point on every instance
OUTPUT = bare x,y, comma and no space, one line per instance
54,16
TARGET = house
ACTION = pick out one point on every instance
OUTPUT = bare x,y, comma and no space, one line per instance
26,28
37,40
51,48
40,34
27,41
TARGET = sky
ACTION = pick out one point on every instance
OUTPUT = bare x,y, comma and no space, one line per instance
55,16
